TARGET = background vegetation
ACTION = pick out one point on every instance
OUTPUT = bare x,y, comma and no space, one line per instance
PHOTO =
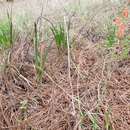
65,65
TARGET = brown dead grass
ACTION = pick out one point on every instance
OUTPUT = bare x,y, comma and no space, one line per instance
99,83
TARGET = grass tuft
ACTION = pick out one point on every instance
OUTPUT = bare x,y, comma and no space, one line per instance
59,36
5,37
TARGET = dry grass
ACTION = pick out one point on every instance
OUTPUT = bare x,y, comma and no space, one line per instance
79,88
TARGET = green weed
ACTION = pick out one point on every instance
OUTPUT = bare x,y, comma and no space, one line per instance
123,50
8,34
95,125
23,105
94,121
107,121
111,36
23,108
5,34
59,36
40,54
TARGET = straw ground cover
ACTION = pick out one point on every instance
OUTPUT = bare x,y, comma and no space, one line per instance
84,87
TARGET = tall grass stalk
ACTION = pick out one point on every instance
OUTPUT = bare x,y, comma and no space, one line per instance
38,57
40,52
7,40
69,61
10,27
